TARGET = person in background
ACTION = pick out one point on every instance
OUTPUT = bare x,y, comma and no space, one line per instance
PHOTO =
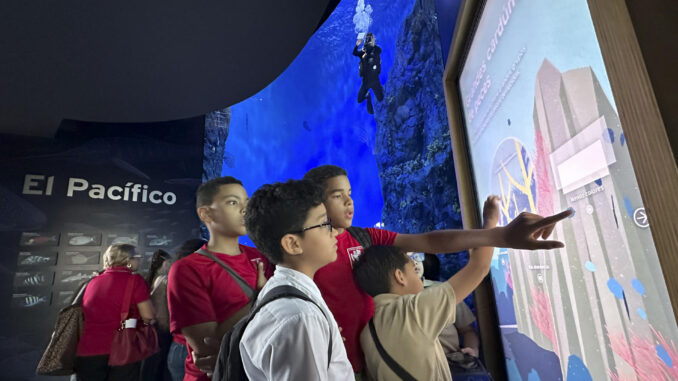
101,306
463,324
370,67
177,351
155,367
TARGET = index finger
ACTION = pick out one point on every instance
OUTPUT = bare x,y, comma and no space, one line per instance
550,220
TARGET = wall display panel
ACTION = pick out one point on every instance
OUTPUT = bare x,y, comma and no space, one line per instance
83,239
35,239
159,239
30,301
64,200
64,298
80,258
37,258
544,134
123,238
33,278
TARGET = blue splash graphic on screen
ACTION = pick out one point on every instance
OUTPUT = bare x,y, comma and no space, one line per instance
577,370
638,286
615,288
664,355
641,313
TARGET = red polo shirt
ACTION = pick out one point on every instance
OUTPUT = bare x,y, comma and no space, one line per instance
101,306
351,306
199,290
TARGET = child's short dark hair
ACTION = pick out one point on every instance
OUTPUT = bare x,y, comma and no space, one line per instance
206,192
431,267
278,209
375,267
320,175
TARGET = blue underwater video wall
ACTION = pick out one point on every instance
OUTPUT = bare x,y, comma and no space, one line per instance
399,158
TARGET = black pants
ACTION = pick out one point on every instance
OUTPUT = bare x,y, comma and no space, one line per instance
96,368
370,83
154,368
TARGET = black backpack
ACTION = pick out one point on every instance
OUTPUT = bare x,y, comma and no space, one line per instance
361,235
229,365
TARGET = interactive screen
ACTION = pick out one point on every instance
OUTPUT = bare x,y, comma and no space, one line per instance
545,135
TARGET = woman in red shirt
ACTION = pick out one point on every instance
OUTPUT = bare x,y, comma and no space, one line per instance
101,306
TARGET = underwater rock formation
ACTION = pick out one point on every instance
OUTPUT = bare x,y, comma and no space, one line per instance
413,148
216,132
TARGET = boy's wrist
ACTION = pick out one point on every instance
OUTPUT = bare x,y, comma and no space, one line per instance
498,235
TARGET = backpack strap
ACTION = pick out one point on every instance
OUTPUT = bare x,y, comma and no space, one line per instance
361,235
393,364
288,292
244,286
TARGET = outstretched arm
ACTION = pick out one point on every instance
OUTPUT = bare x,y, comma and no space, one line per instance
469,277
522,233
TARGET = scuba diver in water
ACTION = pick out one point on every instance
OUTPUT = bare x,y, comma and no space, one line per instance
370,67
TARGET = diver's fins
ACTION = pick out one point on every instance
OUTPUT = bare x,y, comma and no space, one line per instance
370,109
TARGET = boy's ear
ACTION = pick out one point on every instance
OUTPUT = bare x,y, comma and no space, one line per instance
291,244
204,214
399,277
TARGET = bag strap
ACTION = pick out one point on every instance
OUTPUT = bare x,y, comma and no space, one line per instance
393,364
80,294
126,299
361,235
288,292
244,286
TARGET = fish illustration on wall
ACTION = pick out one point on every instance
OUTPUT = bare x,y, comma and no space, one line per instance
36,239
32,279
34,260
82,240
32,300
82,258
124,240
160,241
76,277
35,280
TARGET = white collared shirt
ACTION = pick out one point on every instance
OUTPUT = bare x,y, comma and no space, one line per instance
288,338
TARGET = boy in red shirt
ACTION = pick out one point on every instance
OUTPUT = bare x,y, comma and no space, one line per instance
351,306
204,300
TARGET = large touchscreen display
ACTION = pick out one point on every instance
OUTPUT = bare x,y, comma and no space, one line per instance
545,135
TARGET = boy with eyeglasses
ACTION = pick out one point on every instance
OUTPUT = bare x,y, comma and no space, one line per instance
351,306
292,338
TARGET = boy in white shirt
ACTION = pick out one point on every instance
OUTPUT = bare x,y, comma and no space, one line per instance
290,338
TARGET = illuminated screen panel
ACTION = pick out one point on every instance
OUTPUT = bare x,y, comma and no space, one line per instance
545,135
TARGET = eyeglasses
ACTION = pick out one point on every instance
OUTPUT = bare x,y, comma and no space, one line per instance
419,257
327,225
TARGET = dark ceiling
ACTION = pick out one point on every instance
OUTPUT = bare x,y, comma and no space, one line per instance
142,61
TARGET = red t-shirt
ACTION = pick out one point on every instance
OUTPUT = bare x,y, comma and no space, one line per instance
199,290
101,307
351,306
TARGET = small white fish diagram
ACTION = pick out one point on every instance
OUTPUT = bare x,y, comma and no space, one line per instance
81,240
